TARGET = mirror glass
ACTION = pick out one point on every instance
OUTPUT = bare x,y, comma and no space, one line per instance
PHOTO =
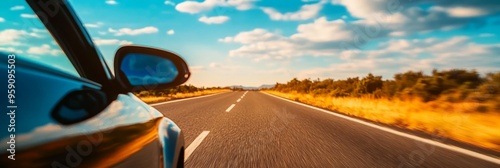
143,69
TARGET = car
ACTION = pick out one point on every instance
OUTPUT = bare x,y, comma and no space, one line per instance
56,119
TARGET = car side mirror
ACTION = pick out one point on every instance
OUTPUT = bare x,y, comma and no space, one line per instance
140,68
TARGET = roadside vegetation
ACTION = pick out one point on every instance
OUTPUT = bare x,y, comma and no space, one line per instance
179,92
457,104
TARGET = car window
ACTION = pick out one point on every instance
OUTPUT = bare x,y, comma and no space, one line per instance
23,34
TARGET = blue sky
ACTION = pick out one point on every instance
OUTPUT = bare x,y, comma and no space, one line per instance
254,42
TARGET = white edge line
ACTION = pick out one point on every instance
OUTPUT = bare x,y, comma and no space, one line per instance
190,149
174,101
230,107
238,100
431,142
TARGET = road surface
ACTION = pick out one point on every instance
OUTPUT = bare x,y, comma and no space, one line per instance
253,129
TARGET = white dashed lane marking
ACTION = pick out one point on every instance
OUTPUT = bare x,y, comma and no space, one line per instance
230,107
190,149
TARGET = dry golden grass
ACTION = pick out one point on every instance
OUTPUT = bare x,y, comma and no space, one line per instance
459,121
154,99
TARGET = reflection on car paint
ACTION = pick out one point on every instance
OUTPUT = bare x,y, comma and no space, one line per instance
100,136
119,111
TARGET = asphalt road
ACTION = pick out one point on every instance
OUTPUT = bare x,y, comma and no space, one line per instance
264,131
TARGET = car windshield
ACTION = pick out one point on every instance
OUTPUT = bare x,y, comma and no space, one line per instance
24,35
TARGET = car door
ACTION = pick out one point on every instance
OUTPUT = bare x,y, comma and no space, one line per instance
122,132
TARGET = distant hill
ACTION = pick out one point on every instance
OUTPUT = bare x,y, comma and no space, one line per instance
266,86
251,87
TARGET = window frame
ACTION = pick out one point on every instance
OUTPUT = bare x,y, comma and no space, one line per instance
67,30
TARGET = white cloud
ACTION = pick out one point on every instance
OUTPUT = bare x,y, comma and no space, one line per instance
171,32
11,50
402,55
111,2
196,69
25,15
18,7
407,22
369,8
397,33
39,30
225,40
214,65
462,11
43,50
409,17
193,7
11,36
305,12
320,38
240,4
362,8
37,35
102,42
486,35
2,19
94,25
432,46
168,2
213,19
225,66
252,36
322,30
455,52
327,38
132,32
277,50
